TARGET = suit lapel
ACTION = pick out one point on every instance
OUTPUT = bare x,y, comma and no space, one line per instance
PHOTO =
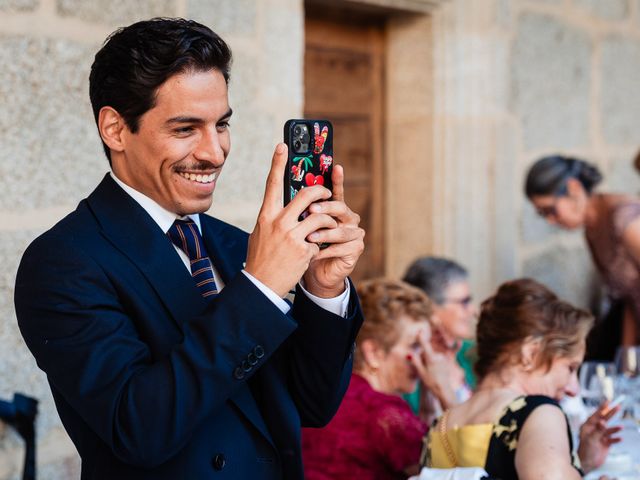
130,229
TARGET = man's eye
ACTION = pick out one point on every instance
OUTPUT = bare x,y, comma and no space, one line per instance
183,130
223,125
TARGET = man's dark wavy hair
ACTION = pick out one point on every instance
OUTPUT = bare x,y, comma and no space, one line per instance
136,60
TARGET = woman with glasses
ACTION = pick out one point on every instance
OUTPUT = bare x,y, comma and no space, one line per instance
562,191
446,283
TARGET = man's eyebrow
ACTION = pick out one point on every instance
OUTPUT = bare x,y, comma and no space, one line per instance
197,120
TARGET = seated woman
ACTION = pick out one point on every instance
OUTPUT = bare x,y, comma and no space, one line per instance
374,434
446,283
530,345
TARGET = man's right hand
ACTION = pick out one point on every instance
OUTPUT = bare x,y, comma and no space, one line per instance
278,253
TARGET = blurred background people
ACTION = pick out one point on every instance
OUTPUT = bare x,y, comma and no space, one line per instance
446,283
530,345
374,434
562,191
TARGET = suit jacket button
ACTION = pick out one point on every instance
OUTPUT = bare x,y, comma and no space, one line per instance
258,351
252,359
219,461
246,367
238,373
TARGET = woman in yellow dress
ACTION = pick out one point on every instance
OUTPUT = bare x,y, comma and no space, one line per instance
530,345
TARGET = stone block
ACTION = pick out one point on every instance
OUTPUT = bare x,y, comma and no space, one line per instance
115,12
18,5
622,177
567,271
550,82
237,18
282,68
51,153
611,10
620,105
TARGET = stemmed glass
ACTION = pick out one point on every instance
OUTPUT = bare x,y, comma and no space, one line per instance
628,368
597,382
628,361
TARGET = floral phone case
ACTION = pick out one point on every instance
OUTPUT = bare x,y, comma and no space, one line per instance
310,159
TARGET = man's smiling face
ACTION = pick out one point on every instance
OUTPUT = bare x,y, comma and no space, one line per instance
177,153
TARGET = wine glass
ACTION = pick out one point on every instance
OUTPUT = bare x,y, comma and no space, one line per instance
597,382
628,361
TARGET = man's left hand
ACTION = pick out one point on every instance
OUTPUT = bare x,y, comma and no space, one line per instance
329,268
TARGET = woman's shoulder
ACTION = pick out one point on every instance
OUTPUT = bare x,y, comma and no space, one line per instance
521,407
620,210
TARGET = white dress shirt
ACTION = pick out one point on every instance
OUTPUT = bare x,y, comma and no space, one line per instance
165,219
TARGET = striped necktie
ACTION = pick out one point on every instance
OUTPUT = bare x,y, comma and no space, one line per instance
185,235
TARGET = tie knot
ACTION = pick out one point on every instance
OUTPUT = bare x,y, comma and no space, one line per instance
185,235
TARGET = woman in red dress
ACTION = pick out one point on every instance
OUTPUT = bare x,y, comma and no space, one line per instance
374,434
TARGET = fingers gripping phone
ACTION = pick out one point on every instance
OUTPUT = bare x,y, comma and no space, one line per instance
310,162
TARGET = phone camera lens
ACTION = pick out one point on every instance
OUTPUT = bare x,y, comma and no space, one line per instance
297,145
297,130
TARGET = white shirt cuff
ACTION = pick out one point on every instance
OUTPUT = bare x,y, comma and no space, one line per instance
336,305
270,294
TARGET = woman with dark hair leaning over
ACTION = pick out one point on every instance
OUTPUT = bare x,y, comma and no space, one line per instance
562,191
530,345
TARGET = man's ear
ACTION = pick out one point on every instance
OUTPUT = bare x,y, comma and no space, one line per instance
111,126
529,353
373,353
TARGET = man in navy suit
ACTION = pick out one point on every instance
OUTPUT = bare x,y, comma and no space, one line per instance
163,332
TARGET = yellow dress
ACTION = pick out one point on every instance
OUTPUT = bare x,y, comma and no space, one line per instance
491,446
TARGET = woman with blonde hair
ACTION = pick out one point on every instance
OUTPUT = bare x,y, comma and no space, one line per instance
375,435
530,345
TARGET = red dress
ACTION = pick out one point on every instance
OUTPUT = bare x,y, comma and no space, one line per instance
374,436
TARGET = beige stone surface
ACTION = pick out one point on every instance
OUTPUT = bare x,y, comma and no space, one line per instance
18,5
551,82
606,10
115,12
619,102
50,152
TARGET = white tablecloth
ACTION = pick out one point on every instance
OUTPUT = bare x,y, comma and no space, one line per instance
623,462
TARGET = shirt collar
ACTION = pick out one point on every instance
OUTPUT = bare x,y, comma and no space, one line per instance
164,218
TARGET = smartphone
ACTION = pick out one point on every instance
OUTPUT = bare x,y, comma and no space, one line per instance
310,162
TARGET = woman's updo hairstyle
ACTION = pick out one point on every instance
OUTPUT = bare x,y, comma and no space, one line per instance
523,309
549,175
384,304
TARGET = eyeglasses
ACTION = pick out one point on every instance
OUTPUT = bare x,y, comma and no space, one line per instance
464,301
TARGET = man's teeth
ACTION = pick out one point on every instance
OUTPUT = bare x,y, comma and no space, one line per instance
199,178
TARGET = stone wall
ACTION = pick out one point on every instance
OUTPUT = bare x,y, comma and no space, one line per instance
51,156
515,80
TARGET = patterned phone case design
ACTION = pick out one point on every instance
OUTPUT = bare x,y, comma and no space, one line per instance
313,167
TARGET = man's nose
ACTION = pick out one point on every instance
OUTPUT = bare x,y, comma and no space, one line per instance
209,148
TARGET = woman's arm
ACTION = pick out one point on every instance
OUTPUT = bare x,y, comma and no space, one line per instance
543,451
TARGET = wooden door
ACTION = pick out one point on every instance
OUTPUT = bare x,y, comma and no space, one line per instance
343,72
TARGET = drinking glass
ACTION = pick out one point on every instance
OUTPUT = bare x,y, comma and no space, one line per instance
627,361
597,382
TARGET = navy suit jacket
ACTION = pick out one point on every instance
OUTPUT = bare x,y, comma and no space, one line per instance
153,382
